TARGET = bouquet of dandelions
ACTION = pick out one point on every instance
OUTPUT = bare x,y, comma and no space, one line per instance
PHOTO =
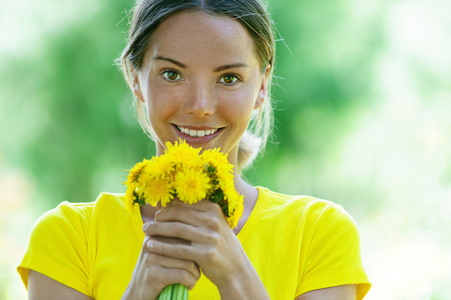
184,173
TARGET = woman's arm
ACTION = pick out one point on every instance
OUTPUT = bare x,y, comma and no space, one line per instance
342,292
45,288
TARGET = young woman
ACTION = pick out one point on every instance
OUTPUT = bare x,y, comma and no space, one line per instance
201,71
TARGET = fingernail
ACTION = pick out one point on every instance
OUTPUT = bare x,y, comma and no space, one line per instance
145,226
150,245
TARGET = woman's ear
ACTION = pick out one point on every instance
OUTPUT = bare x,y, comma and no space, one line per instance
263,92
136,88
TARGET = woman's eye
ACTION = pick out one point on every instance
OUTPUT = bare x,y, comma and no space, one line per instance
171,75
228,79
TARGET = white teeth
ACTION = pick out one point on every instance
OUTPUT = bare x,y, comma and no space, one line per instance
197,133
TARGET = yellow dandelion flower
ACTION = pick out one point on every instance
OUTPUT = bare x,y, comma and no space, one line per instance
235,210
135,172
235,218
158,190
223,170
162,166
217,159
233,199
143,179
192,177
181,152
194,163
129,199
226,184
192,185
139,191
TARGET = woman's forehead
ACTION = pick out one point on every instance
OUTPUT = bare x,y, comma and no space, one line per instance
193,36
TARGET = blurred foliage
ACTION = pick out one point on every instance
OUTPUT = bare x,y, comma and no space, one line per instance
77,125
325,69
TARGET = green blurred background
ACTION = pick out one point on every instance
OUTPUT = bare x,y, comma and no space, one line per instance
363,118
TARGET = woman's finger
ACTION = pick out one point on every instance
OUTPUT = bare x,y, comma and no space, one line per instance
201,214
176,251
172,263
207,233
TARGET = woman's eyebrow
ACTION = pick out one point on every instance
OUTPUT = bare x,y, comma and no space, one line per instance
231,66
181,65
218,69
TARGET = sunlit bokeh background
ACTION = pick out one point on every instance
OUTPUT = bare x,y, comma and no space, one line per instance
363,118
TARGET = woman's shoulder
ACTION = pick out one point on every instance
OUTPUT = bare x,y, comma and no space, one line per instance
110,202
302,207
80,213
86,208
66,212
276,200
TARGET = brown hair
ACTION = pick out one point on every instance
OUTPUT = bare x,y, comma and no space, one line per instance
252,14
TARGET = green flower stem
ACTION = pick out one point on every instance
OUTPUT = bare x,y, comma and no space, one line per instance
174,292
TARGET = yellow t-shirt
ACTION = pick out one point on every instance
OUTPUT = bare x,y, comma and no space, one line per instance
296,244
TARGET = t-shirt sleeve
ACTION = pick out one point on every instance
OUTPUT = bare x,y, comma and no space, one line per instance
57,247
333,254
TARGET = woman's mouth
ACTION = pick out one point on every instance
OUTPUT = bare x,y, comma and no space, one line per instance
196,133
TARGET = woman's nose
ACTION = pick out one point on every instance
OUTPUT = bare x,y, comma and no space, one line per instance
201,101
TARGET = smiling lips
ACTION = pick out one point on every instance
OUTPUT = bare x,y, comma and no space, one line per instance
196,133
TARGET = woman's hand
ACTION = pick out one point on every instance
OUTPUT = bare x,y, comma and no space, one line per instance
210,243
153,272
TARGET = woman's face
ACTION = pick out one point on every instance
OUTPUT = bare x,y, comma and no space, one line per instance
200,80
